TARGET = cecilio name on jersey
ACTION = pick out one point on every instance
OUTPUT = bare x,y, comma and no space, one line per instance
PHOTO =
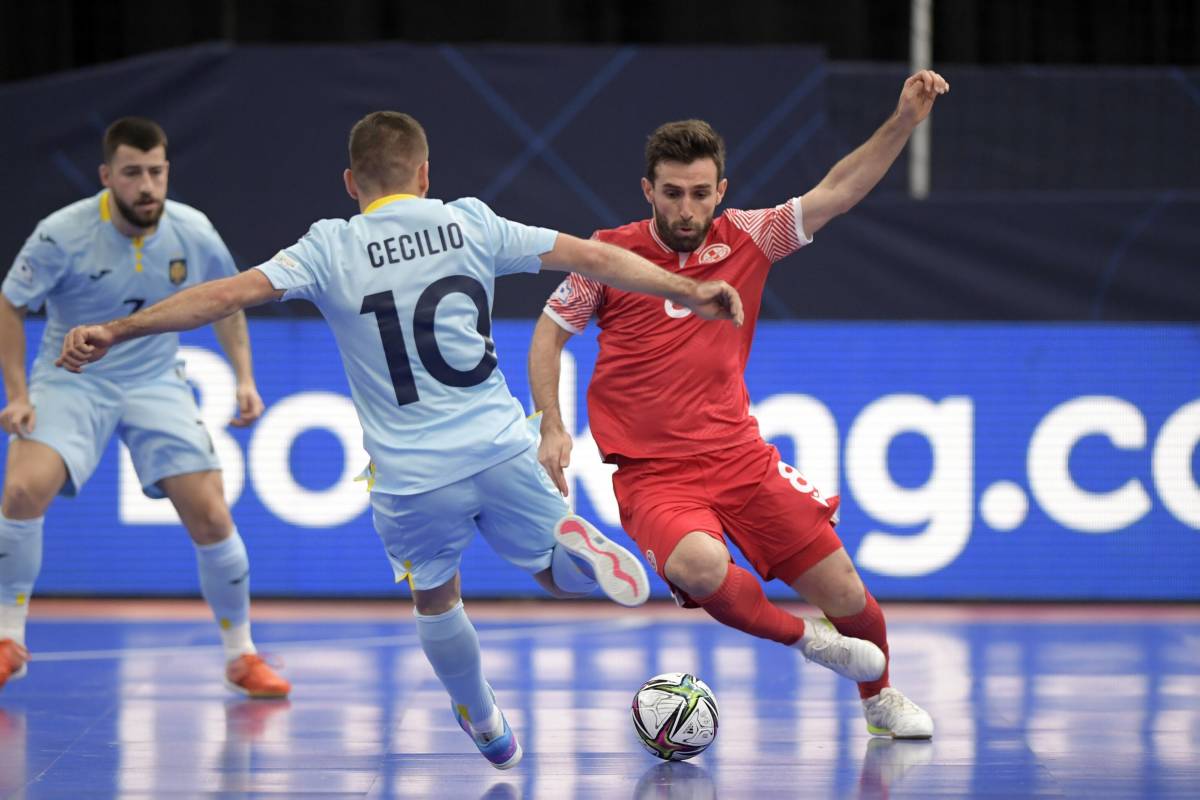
944,504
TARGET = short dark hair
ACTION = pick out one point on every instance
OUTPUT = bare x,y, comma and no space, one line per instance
684,141
139,132
386,148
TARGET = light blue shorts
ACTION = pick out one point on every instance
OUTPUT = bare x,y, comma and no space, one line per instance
513,504
157,420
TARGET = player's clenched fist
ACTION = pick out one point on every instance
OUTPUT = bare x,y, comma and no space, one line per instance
84,344
716,300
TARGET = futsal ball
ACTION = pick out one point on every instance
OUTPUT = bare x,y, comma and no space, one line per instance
675,715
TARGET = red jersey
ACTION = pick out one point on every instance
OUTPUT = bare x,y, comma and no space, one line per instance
667,383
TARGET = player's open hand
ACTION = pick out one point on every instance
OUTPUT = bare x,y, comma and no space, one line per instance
250,406
18,417
918,94
554,453
716,300
84,344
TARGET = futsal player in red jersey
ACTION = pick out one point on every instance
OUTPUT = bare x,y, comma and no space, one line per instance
668,405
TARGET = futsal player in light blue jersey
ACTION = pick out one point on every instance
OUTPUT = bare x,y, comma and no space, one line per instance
407,288
104,256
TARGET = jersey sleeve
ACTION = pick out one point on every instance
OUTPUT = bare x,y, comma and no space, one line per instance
778,232
517,247
574,302
299,270
35,272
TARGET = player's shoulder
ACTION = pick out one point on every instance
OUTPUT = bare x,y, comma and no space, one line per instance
188,218
472,208
71,226
631,233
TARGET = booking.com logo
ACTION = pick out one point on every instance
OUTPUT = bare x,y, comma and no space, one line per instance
930,523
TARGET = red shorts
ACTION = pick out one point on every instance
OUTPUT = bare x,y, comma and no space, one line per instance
779,521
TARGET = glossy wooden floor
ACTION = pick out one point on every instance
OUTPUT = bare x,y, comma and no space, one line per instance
124,700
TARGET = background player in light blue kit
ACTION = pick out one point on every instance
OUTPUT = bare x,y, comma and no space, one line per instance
101,257
407,288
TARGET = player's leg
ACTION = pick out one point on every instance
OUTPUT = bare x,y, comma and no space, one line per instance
775,518
424,536
831,583
834,586
224,569
174,458
75,418
529,524
33,476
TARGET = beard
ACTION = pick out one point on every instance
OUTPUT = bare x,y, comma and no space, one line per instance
140,219
679,242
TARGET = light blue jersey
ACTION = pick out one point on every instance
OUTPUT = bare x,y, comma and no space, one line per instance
407,289
85,271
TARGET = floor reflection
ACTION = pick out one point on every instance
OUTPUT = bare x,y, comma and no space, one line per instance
1024,708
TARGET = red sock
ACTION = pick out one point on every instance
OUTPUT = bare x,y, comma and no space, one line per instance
867,624
740,603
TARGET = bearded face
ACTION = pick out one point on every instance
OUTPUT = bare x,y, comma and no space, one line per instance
685,199
137,182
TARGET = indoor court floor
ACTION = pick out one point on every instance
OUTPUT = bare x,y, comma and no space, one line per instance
124,699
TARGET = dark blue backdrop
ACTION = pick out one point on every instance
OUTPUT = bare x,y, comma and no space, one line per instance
1046,204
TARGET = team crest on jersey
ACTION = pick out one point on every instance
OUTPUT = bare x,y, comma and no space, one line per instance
714,252
177,270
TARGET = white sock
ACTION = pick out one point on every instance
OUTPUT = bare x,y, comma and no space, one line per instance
12,622
236,641
491,728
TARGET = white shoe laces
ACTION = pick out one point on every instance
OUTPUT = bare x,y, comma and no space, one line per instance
895,703
827,646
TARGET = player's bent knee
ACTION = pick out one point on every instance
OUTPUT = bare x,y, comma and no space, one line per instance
696,567
438,600
23,500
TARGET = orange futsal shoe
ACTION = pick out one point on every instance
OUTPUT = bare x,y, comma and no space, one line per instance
13,658
251,676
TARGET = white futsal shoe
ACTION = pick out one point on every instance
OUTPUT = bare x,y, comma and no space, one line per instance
890,713
619,572
856,659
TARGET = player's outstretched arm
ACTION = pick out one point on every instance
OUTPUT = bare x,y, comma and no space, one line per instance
545,358
188,309
855,175
625,270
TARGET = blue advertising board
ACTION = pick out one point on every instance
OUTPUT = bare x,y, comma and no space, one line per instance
974,460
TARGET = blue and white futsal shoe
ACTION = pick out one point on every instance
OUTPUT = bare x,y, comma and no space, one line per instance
502,750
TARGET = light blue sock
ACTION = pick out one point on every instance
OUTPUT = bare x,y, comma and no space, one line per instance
20,563
225,580
570,573
452,647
